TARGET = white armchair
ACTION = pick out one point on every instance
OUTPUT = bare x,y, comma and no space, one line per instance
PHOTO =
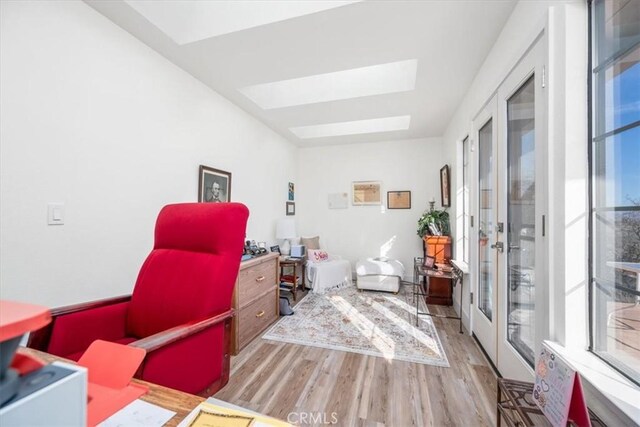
325,272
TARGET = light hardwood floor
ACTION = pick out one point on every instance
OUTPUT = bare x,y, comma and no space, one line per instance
357,390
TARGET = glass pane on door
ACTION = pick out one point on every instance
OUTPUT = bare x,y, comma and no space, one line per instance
521,220
485,223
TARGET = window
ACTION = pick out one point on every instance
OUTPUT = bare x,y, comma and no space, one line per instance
465,199
485,219
615,184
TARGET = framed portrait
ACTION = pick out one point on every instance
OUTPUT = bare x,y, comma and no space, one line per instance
291,208
214,185
398,199
445,187
366,193
291,192
275,248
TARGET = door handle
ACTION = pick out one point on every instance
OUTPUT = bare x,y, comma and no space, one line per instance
514,248
499,246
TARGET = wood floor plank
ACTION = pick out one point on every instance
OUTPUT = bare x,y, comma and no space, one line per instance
248,371
283,401
346,389
367,380
280,364
319,391
279,378
379,399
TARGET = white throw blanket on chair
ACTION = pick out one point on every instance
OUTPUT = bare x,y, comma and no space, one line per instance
334,273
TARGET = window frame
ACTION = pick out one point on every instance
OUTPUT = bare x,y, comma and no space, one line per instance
466,199
592,98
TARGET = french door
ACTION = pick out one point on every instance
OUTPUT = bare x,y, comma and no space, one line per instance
508,312
486,265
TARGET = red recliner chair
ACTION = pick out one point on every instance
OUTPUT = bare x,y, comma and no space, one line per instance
180,310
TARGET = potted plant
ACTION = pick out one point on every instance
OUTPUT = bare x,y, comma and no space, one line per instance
433,228
434,223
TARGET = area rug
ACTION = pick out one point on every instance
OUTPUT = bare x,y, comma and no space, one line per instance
373,323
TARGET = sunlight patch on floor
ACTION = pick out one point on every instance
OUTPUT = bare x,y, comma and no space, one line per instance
404,324
366,327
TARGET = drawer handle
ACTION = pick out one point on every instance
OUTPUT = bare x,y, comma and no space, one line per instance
260,279
260,314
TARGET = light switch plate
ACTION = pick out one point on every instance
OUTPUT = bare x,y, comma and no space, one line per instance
55,213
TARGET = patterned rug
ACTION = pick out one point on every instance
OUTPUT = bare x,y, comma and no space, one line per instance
373,323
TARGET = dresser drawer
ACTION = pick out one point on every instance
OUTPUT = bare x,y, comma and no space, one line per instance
255,317
254,281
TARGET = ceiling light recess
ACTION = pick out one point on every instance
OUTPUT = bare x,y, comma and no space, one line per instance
188,21
385,124
365,81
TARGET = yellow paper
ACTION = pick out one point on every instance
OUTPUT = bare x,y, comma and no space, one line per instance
205,418
255,420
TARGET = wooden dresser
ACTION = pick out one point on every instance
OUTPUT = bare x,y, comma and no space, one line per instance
255,299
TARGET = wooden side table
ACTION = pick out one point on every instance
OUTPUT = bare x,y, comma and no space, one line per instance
450,275
517,407
292,280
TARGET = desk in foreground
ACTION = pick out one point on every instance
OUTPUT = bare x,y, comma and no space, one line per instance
177,401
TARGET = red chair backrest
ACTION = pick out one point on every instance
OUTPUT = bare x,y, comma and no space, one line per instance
191,271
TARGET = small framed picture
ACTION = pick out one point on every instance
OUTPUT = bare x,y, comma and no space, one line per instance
366,193
214,185
445,194
429,261
398,199
275,248
291,192
291,208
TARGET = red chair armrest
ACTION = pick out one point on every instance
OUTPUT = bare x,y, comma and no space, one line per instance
161,339
61,311
100,319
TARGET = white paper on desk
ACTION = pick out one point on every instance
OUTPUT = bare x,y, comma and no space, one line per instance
139,414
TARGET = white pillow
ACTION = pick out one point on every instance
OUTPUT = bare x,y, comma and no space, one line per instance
311,242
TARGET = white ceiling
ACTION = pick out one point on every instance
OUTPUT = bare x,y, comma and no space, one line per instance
327,62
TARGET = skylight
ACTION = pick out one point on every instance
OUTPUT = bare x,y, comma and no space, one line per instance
372,80
385,124
187,21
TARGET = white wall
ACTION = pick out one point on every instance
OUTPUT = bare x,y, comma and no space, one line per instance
93,118
369,231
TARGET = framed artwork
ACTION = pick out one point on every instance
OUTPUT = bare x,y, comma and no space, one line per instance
338,201
291,192
275,248
291,208
429,261
366,193
398,199
214,185
445,192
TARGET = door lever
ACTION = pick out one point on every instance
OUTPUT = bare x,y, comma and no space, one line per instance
499,246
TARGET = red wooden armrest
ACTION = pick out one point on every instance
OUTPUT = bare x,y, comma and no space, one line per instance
161,339
60,311
40,339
